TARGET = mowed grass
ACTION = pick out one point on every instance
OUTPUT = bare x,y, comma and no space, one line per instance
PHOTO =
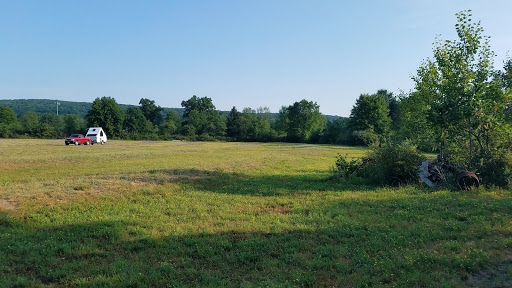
180,214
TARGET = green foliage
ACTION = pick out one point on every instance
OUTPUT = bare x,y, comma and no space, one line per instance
370,114
505,78
74,124
7,116
392,102
8,121
172,123
393,164
30,122
50,126
198,104
106,113
465,103
40,106
256,125
336,132
151,111
301,120
496,171
366,137
200,114
135,122
414,125
344,168
234,125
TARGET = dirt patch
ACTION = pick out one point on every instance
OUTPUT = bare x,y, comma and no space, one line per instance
7,205
279,209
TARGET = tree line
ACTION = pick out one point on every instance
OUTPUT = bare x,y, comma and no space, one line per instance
459,101
374,118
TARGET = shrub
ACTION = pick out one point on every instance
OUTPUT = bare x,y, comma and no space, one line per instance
496,171
366,137
393,164
344,168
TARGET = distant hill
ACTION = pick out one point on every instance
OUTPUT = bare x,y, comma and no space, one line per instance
21,106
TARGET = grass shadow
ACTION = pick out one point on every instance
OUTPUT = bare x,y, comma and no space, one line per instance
261,185
346,243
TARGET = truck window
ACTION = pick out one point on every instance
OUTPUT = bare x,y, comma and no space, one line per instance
101,134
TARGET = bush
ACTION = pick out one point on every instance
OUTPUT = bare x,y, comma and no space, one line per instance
393,164
496,171
343,168
366,137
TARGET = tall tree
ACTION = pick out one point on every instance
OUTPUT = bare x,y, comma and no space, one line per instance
151,111
301,120
29,122
414,125
106,113
392,106
336,131
172,123
134,121
8,121
465,102
196,103
234,126
369,118
200,117
73,124
255,126
505,78
7,116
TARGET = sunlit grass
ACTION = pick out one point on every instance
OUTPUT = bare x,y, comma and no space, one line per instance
138,213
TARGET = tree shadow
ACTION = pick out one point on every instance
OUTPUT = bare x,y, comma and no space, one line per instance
388,243
260,185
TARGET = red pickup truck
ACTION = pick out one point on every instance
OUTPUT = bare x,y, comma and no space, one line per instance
78,139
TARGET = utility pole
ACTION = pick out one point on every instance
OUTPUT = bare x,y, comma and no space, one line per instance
58,107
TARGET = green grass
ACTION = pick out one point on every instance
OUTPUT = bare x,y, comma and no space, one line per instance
174,214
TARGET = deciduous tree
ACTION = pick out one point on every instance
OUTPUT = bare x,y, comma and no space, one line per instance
301,120
151,111
465,101
369,118
106,113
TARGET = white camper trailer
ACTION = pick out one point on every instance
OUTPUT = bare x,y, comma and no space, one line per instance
97,135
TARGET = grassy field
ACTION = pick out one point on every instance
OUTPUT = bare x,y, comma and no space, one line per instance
180,214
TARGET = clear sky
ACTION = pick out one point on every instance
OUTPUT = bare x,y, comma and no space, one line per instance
239,53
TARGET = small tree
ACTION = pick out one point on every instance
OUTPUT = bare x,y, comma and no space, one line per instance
466,104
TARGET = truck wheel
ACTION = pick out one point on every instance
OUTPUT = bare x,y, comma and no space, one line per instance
87,142
76,142
67,143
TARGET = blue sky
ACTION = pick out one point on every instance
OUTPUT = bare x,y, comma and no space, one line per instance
239,53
